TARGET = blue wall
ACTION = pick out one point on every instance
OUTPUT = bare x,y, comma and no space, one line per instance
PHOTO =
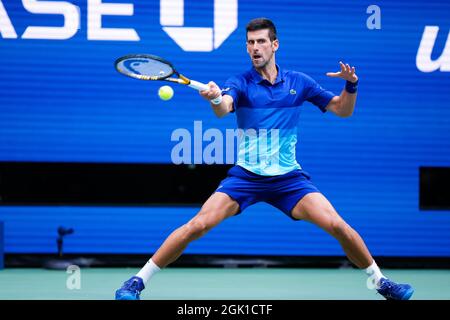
62,100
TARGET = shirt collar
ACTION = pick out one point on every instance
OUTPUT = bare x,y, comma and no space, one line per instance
259,79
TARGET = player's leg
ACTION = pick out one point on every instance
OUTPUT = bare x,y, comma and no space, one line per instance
315,208
217,208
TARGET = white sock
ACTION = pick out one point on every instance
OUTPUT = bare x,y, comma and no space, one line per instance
148,271
375,275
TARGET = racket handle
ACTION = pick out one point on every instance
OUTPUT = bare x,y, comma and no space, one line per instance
201,87
198,85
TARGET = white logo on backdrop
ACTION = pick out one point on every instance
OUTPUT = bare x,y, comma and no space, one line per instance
195,38
423,58
71,14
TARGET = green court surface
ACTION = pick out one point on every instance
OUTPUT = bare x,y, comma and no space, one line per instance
218,284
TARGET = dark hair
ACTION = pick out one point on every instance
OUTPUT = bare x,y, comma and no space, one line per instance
261,24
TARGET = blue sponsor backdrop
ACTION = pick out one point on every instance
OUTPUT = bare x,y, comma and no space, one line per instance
62,100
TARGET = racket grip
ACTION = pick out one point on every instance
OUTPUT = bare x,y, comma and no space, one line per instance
201,87
198,85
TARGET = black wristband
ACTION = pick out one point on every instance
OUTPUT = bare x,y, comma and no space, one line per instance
351,87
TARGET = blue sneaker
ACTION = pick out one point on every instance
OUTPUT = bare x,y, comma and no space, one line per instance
394,291
131,289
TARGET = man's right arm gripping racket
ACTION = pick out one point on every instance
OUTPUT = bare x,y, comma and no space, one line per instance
213,92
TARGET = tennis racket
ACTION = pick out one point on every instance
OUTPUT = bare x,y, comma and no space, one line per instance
150,67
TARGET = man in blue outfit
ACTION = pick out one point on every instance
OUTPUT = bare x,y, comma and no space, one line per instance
267,102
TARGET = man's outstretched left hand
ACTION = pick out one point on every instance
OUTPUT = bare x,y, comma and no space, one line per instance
346,73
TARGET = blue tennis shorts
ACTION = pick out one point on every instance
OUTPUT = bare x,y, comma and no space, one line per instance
282,192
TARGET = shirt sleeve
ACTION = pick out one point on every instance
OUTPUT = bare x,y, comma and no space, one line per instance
315,94
232,88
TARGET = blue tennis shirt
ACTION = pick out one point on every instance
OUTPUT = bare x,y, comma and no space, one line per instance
268,116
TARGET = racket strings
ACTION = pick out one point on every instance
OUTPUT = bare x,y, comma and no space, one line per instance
145,67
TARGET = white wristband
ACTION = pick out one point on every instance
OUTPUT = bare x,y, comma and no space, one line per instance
217,100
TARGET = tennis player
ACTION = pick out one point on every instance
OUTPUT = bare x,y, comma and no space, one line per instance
269,97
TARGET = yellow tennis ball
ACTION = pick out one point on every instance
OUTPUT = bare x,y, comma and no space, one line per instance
165,93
